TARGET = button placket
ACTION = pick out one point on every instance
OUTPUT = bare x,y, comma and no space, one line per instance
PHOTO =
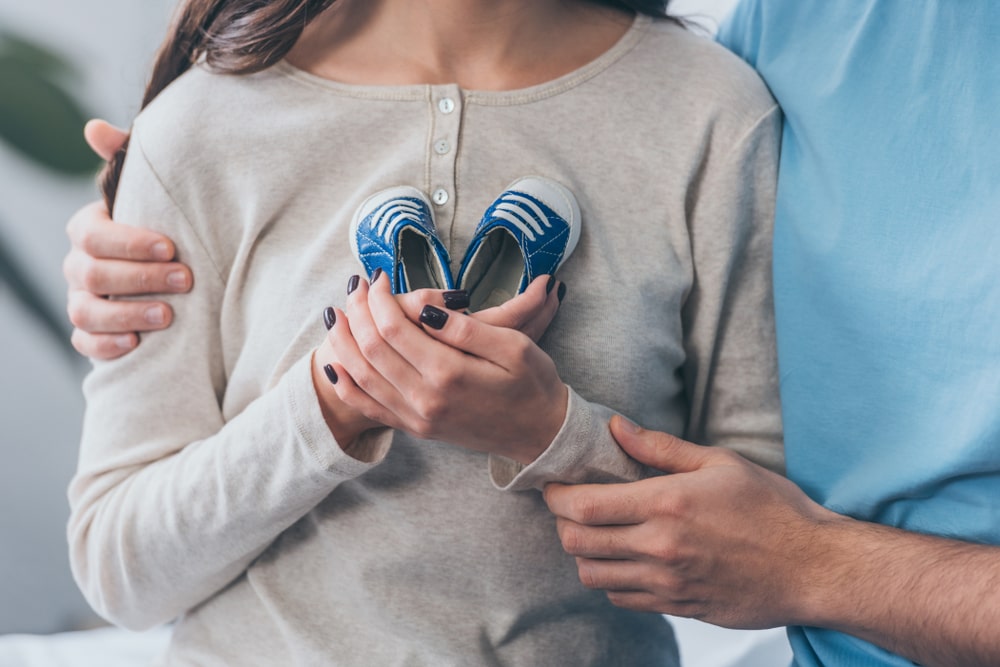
446,110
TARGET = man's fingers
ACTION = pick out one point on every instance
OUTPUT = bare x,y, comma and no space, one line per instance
104,138
607,542
92,231
103,346
96,315
599,504
110,277
660,450
624,575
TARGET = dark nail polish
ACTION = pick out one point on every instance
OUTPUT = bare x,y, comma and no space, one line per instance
331,374
352,283
562,292
549,285
457,299
329,318
433,317
376,275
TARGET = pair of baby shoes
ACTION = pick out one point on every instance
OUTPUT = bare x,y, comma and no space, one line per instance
528,231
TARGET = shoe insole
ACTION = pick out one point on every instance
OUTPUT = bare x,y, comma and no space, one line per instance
500,264
420,270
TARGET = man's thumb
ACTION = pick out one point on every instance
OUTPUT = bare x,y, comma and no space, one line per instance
104,138
656,449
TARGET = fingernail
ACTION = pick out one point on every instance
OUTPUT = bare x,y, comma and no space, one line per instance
433,317
629,426
549,285
124,342
177,279
331,374
161,252
329,318
352,283
457,299
154,316
375,276
562,292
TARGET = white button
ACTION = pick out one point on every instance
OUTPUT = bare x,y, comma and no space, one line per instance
446,105
441,146
440,196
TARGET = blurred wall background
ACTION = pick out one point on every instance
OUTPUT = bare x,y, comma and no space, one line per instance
110,43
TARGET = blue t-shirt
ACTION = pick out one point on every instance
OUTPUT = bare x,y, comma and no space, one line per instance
886,263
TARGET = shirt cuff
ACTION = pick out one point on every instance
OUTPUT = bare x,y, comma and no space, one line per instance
583,451
306,414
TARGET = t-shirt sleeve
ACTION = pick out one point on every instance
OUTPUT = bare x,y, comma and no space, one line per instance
583,452
740,32
171,501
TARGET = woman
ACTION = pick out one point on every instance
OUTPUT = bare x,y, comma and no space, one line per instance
224,478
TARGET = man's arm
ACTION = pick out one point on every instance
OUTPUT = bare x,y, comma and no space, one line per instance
727,542
106,259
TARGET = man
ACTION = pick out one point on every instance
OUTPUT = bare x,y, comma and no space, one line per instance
887,286
887,291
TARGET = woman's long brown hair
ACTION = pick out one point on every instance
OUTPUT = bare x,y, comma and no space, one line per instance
246,36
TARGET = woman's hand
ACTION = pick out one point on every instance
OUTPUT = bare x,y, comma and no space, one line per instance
107,259
455,378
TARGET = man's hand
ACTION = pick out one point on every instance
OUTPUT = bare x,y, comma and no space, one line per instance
730,543
720,539
107,259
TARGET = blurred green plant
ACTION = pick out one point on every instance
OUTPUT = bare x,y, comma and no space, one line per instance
42,121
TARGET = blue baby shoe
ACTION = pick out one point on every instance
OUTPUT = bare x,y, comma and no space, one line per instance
393,230
529,231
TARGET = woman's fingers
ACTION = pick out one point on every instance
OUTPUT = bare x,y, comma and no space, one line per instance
406,338
530,312
369,336
508,349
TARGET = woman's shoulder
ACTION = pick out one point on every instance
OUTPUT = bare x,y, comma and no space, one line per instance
695,71
205,117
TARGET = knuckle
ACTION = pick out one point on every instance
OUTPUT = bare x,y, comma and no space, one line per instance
430,406
365,380
572,539
443,380
463,333
85,239
423,429
92,275
81,342
142,281
583,509
666,551
588,575
391,330
68,267
522,348
79,317
369,345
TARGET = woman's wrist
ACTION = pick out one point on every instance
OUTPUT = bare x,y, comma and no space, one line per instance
345,423
548,428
